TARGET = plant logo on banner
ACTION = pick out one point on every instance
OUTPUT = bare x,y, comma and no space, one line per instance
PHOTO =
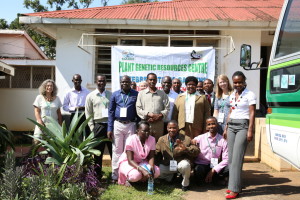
196,55
127,54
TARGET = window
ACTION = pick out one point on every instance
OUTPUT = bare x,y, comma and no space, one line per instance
162,42
103,58
285,79
27,77
181,43
131,42
288,39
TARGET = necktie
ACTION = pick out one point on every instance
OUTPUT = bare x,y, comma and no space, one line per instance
208,98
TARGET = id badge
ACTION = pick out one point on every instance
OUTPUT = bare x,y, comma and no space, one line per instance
213,162
105,112
221,117
123,112
173,165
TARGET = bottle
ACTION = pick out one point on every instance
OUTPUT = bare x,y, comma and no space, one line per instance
150,185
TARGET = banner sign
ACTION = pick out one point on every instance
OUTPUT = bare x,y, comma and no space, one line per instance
176,62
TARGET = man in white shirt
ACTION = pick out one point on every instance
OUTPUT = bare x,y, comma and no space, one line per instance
75,99
166,86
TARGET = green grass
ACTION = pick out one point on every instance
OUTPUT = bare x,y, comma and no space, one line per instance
162,191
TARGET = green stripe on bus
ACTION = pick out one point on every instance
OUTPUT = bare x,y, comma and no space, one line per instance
283,110
288,120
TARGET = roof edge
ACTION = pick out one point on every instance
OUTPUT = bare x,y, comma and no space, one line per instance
7,69
204,23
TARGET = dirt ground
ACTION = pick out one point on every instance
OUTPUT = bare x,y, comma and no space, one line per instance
260,183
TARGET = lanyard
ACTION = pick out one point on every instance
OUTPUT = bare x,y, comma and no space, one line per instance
103,102
214,151
48,104
171,144
127,96
222,104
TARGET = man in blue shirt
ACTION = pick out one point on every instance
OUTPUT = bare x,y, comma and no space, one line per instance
121,120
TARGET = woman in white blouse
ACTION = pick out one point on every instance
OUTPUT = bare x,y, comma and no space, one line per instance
46,104
239,130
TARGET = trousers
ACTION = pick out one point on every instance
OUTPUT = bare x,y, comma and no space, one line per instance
121,133
183,167
237,144
101,130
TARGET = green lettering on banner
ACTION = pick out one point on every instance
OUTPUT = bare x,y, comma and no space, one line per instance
120,66
195,68
126,67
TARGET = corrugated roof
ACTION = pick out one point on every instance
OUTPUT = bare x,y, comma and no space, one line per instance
181,10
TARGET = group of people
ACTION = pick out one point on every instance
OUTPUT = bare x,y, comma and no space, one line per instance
163,133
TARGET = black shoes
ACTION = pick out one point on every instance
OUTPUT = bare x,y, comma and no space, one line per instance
185,188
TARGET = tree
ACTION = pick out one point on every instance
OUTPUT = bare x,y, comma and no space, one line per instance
45,43
3,24
137,1
59,4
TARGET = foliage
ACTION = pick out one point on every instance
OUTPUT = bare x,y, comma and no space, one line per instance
67,146
11,178
86,174
59,4
39,181
6,138
45,43
137,1
3,24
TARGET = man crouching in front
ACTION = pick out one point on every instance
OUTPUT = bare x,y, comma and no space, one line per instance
175,153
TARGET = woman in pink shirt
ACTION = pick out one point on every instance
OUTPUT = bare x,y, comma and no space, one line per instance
137,161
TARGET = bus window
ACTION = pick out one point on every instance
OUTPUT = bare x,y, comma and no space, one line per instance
288,39
285,79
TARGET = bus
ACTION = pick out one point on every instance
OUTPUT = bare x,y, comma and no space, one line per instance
283,84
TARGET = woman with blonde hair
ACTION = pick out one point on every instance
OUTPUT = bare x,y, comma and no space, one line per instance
46,104
222,102
143,85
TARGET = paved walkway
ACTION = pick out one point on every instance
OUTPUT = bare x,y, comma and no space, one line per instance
260,182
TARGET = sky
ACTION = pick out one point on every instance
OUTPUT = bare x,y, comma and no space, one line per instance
11,8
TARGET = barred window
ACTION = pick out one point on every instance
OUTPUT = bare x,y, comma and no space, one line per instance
39,74
4,81
28,77
21,78
103,57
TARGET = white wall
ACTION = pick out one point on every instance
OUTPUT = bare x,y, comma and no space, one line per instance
72,60
16,107
231,63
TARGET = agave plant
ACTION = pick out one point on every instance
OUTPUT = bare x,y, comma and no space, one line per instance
68,146
6,138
